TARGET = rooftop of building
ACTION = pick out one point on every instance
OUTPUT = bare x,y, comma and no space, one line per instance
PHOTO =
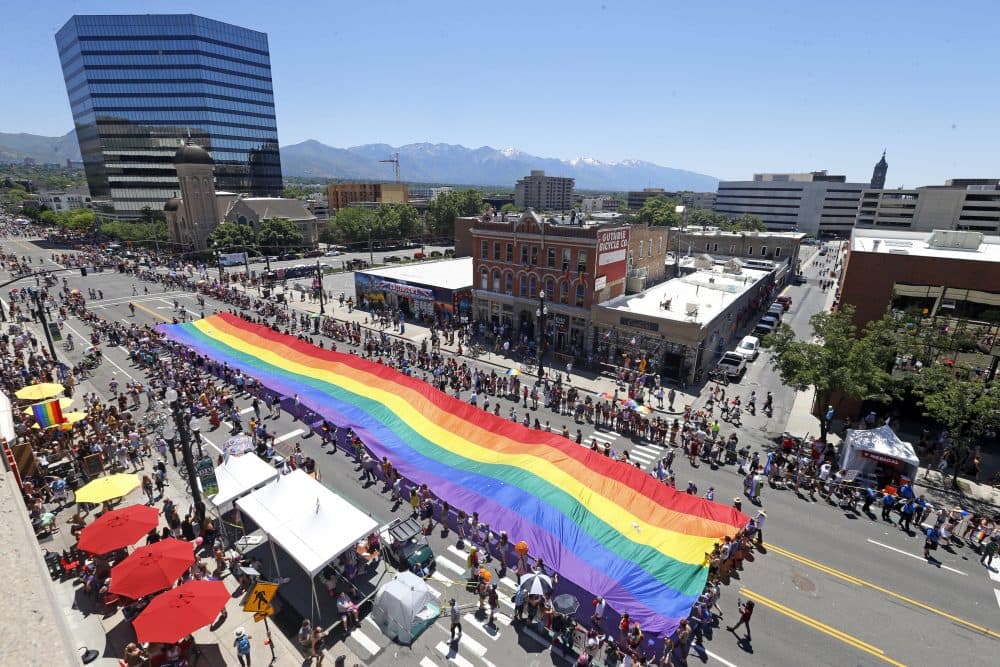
715,231
953,184
446,273
803,177
697,298
940,243
267,208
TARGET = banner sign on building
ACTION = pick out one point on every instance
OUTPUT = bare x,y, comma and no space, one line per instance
206,475
612,253
405,290
600,283
232,258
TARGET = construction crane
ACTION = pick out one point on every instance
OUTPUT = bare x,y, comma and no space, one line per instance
395,165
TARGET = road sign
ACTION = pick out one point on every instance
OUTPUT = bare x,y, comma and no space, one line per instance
259,600
261,615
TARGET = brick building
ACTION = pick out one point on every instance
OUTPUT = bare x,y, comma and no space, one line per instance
576,265
342,195
947,274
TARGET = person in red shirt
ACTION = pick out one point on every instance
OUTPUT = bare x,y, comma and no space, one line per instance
746,611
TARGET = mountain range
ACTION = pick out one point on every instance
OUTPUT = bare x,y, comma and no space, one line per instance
419,163
16,147
449,163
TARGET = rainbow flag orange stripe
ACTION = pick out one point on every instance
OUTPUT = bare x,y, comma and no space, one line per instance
607,526
48,413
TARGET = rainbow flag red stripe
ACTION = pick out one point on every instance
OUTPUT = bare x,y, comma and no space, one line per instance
605,525
48,413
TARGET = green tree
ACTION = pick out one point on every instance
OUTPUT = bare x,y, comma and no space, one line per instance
441,212
660,212
397,221
279,233
961,401
508,208
330,234
232,235
136,231
745,223
838,362
353,224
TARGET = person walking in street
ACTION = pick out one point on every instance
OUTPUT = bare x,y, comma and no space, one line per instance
746,612
242,644
456,618
990,551
931,543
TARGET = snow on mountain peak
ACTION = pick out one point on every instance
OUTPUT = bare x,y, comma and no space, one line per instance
589,161
510,152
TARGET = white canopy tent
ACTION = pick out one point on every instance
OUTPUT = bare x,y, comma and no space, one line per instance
865,449
309,521
238,476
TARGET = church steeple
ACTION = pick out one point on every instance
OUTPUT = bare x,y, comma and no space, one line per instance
878,175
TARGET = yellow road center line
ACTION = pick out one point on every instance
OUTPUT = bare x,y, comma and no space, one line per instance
839,635
151,312
875,587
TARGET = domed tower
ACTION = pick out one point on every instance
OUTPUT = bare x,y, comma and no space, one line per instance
196,215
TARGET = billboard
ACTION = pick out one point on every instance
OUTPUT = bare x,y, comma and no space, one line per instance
612,253
232,258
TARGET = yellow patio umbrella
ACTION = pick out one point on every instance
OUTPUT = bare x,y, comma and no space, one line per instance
107,488
74,417
39,392
64,404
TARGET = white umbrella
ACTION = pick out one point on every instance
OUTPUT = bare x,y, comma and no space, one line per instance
536,583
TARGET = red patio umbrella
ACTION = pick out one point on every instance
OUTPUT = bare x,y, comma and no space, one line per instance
175,614
118,528
152,568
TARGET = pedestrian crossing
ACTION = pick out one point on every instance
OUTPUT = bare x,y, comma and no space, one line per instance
471,649
646,455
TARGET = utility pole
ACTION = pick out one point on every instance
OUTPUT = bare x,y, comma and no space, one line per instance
319,281
541,312
45,325
371,255
181,422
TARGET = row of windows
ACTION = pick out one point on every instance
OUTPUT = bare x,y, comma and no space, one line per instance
529,255
172,60
527,284
221,145
227,36
204,122
167,86
183,106
159,91
642,248
157,71
155,46
154,75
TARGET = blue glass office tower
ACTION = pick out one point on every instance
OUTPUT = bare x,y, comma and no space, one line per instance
139,86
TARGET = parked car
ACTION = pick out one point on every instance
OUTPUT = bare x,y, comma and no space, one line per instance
785,301
733,364
772,320
762,329
748,348
289,255
332,253
776,310
797,279
313,253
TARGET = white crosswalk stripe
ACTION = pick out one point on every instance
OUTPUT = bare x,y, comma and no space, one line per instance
491,632
452,657
449,565
367,643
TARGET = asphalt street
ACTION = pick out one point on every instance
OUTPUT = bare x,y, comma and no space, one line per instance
832,588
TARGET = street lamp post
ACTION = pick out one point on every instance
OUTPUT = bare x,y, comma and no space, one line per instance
371,254
182,425
319,281
541,312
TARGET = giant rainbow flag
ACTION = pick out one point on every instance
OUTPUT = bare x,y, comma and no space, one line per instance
606,526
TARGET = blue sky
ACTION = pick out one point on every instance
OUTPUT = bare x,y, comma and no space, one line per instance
724,88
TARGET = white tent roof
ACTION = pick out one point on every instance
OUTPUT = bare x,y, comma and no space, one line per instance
311,522
240,475
883,440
